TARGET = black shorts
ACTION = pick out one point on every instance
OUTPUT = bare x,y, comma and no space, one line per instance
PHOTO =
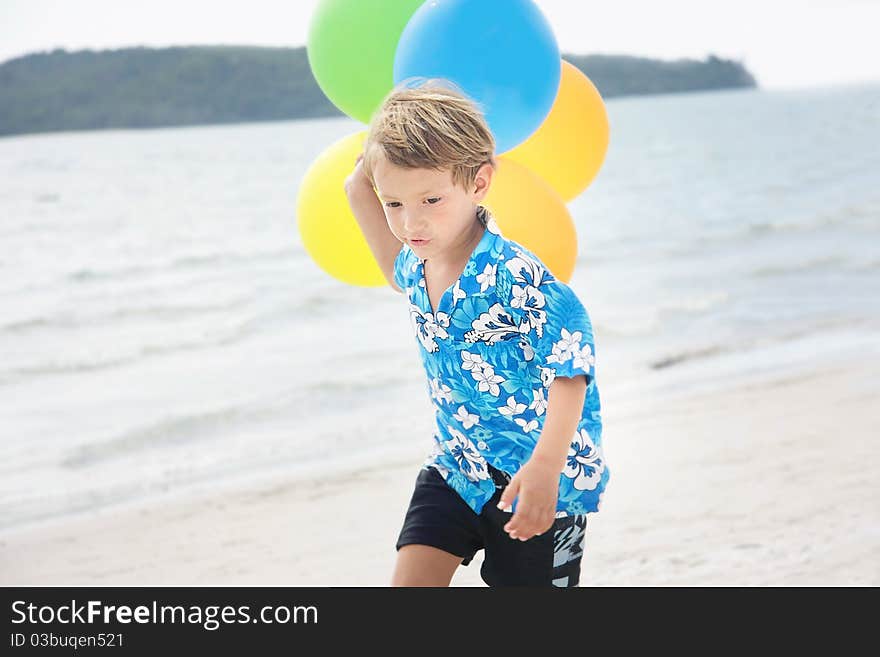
439,517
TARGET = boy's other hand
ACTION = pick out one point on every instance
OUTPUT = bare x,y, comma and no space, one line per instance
357,179
537,485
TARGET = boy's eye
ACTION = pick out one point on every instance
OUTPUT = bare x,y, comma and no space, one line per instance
431,201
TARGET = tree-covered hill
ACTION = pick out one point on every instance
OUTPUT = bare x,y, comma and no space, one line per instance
148,87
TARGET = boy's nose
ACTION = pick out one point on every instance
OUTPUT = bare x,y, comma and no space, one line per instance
412,225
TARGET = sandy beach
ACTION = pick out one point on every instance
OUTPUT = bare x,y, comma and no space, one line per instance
769,483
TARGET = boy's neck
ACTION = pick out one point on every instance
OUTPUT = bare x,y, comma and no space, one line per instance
458,254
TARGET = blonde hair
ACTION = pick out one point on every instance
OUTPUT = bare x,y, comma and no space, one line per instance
430,126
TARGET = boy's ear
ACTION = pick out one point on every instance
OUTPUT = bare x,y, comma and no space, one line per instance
482,181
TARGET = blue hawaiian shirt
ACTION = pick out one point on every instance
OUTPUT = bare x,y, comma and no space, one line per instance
496,341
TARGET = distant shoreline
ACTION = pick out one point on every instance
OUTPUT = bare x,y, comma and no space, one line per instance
202,85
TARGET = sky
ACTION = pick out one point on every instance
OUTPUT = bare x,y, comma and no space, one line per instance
784,43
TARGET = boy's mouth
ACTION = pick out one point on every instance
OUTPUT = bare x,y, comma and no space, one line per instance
419,242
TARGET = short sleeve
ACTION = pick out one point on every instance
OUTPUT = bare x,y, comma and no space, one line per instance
564,340
401,268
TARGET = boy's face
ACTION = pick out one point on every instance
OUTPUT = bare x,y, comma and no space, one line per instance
426,210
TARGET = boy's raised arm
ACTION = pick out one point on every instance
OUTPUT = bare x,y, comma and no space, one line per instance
367,210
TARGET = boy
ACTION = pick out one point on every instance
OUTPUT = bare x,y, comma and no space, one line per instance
508,350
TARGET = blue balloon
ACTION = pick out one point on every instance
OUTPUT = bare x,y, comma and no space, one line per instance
501,53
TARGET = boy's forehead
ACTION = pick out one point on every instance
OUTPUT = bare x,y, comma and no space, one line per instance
392,180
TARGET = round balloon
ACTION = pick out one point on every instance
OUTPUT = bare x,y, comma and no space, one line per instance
350,47
503,55
329,231
568,149
528,211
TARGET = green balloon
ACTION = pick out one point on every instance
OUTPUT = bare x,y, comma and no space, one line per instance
351,48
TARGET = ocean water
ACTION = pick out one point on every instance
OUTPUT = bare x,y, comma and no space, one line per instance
163,330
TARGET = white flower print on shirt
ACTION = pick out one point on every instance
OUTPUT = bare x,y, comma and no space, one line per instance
437,325
584,359
548,375
526,270
432,459
584,462
467,419
527,296
513,407
487,278
528,351
518,296
457,292
440,392
531,301
470,461
527,427
471,361
427,326
487,380
568,347
565,348
539,403
524,295
492,326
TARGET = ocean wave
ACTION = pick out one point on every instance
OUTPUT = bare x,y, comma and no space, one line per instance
17,374
88,275
23,325
870,265
646,320
210,425
165,312
194,261
695,303
745,231
175,430
359,389
797,225
230,257
684,356
779,269
626,329
315,304
744,344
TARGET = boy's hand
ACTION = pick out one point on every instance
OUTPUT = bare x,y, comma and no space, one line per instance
357,179
537,485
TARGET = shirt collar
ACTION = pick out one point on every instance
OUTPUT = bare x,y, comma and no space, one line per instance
488,249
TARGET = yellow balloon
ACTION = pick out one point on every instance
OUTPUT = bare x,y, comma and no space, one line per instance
329,231
528,211
568,148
